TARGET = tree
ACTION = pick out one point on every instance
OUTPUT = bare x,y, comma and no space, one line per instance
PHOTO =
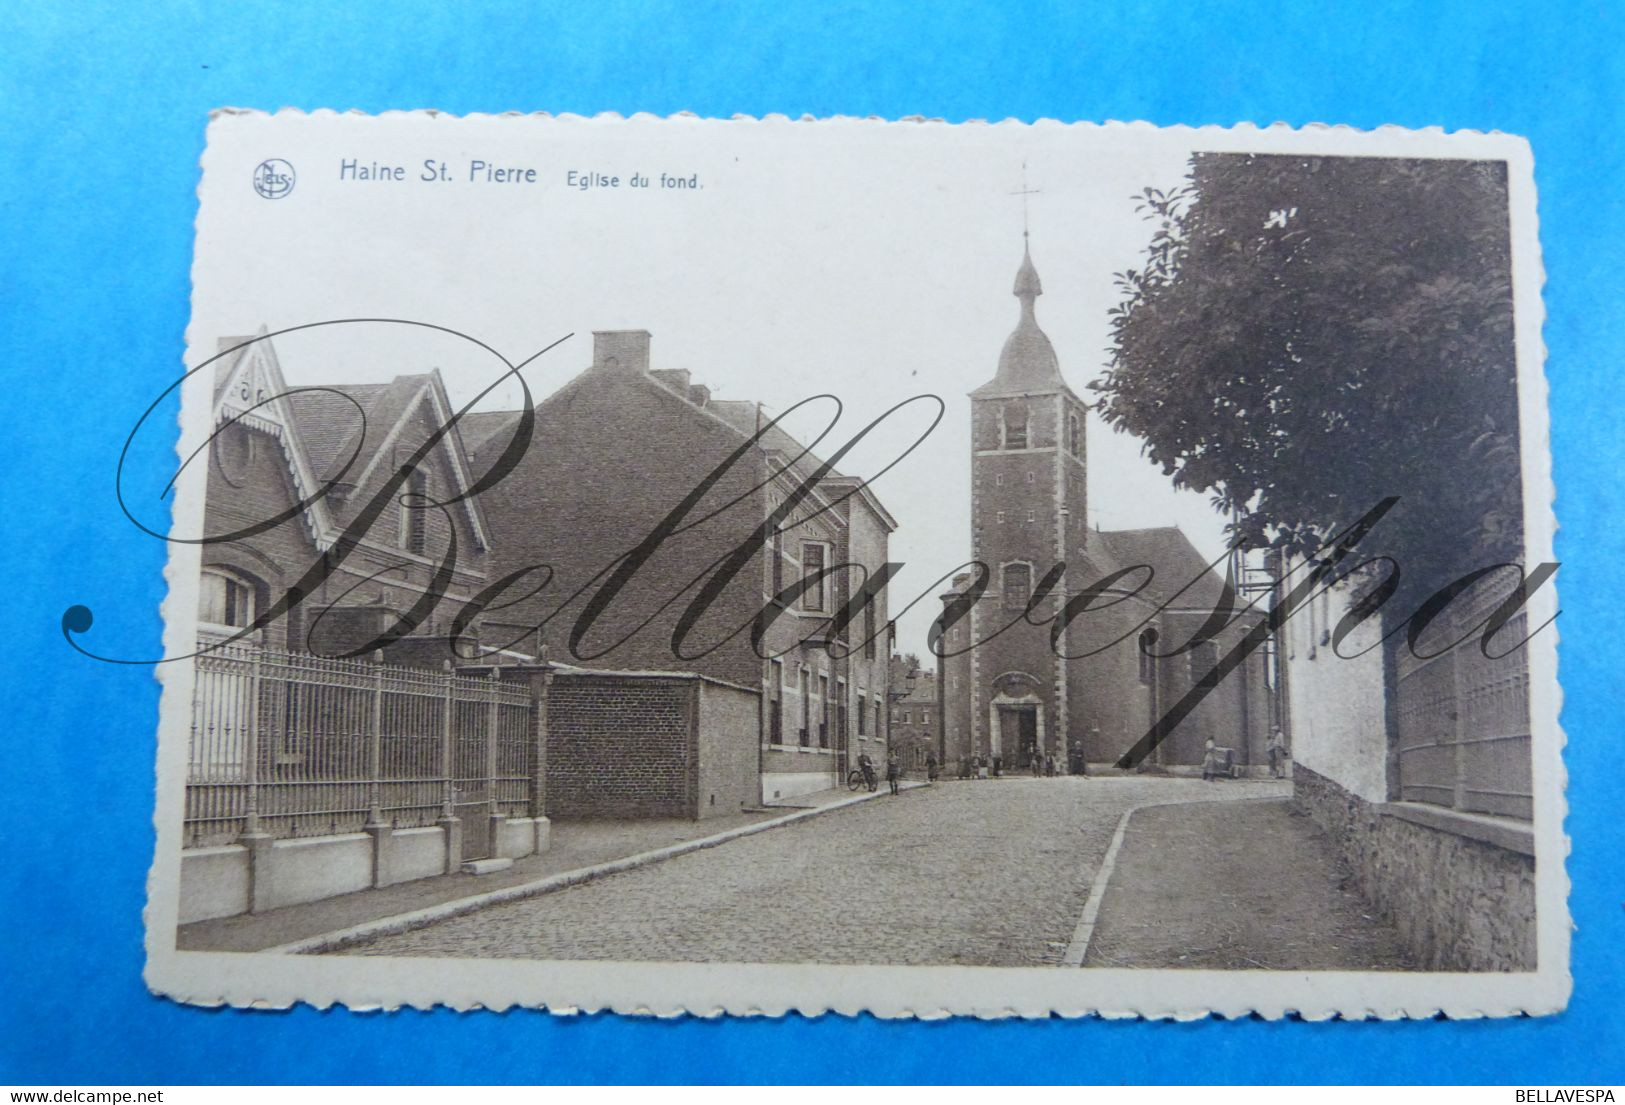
1311,335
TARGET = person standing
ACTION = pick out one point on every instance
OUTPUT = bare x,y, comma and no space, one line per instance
1212,764
1277,751
930,767
894,770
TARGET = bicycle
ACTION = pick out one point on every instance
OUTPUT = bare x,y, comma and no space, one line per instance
857,778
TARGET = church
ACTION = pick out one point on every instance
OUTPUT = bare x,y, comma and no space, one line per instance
1016,690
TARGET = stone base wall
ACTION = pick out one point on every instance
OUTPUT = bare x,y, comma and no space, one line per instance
234,878
1460,890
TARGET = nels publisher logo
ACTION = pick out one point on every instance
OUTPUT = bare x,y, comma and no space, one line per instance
273,178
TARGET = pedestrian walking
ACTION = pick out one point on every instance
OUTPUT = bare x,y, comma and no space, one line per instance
930,767
894,771
1277,751
1212,762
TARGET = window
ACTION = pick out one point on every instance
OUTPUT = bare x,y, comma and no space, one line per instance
1074,435
1032,516
775,702
776,552
879,731
863,710
814,559
414,512
225,599
1147,670
1015,425
903,717
1204,657
1018,586
806,708
1000,517
998,479
840,714
1030,477
823,714
869,630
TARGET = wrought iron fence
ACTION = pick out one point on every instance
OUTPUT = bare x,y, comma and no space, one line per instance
292,745
1463,718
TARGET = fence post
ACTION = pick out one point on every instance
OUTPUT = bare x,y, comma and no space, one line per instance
493,729
375,744
449,823
376,827
251,747
541,684
255,840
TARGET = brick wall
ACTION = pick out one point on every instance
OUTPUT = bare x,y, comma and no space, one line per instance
621,746
386,579
1460,903
614,452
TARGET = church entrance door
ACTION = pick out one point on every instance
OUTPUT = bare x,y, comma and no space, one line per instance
1018,728
1027,721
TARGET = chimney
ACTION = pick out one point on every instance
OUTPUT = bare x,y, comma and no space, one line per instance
699,395
675,379
625,349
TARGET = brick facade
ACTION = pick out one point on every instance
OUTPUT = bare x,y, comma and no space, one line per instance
615,451
289,446
1085,695
660,745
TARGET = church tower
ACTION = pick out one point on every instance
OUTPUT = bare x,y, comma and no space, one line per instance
1028,499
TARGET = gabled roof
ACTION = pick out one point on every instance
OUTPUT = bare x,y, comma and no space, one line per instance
742,417
1173,560
321,427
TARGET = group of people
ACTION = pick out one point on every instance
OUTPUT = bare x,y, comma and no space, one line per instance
894,769
1217,761
983,767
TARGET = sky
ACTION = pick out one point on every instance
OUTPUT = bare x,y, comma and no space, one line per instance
870,261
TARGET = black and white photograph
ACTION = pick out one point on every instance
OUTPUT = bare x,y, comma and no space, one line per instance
680,565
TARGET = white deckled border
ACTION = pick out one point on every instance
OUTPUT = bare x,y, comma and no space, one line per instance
671,989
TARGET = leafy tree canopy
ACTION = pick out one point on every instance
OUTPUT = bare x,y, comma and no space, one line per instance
1311,335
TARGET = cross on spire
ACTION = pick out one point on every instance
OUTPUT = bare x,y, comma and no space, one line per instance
1024,192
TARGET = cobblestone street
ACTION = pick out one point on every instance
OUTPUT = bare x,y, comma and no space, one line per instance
992,873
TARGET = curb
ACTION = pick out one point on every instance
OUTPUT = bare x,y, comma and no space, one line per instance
419,918
1078,948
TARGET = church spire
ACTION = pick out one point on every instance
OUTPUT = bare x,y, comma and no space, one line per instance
1028,286
1027,363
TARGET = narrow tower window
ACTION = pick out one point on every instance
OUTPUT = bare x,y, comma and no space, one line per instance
1018,586
1015,426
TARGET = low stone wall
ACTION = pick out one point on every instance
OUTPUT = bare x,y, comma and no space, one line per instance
1460,889
226,881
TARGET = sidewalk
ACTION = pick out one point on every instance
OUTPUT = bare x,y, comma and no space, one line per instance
575,845
1235,886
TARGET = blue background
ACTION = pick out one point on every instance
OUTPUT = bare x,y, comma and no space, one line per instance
105,106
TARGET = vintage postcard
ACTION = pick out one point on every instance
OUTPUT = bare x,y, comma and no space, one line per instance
744,566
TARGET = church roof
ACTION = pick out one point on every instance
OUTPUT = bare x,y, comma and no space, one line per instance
1173,560
1027,364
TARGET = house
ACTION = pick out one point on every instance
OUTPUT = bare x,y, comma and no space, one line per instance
916,714
329,751
616,451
